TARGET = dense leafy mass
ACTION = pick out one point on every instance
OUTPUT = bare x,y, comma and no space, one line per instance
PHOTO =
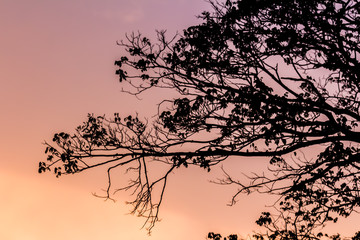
272,78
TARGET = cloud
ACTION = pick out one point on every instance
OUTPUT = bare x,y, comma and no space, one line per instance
134,15
126,12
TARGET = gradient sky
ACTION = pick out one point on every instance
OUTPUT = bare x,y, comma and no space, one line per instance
56,65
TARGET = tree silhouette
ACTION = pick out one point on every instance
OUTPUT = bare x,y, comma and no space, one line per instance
279,235
271,78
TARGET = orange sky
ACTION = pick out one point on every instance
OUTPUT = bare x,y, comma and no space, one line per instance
56,65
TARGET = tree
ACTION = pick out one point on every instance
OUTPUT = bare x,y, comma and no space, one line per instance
271,78
217,236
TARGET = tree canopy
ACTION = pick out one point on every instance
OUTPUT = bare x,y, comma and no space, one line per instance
270,78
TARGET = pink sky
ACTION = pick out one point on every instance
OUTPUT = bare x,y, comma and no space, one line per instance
56,65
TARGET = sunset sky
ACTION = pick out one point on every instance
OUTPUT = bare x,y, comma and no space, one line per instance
56,66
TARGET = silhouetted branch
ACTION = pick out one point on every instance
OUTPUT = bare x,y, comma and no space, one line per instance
255,78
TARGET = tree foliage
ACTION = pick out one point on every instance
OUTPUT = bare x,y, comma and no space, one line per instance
268,78
283,234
